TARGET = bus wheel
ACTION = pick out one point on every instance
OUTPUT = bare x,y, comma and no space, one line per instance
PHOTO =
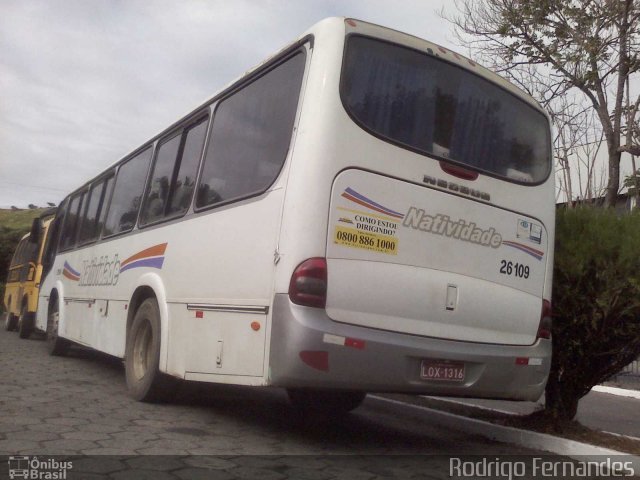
57,346
10,322
25,322
142,357
325,402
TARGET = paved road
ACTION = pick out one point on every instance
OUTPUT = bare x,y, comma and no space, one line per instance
611,413
79,405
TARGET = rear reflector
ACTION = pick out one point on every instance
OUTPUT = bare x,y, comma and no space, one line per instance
534,361
308,285
354,343
316,359
544,329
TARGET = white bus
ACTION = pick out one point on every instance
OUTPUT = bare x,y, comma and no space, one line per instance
365,211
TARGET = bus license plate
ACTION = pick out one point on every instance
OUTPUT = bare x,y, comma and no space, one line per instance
445,371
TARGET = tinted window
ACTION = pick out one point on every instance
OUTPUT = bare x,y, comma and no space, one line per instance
30,252
419,101
127,193
95,204
188,169
174,174
102,215
51,244
87,226
17,255
158,195
251,134
70,228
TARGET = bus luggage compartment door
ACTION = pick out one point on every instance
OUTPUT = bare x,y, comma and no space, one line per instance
413,259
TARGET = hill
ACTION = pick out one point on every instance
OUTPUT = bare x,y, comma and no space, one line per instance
18,219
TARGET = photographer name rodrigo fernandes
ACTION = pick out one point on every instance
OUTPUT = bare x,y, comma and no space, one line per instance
539,467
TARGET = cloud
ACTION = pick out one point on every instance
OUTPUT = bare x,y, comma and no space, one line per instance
84,83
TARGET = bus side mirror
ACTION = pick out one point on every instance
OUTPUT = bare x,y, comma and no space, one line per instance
36,231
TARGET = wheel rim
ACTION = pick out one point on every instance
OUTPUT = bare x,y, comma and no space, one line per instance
142,351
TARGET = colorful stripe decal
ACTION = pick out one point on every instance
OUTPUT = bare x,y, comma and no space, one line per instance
537,254
70,273
356,197
150,257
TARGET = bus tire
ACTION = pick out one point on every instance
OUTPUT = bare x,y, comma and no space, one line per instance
56,345
145,382
25,322
10,322
325,402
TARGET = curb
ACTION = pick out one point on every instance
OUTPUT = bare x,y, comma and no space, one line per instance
621,392
523,438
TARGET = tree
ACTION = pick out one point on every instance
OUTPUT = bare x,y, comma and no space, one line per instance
596,303
51,204
9,239
590,47
576,146
32,206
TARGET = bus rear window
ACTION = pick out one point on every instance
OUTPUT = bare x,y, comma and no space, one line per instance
426,104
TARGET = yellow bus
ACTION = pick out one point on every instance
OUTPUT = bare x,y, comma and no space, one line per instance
23,277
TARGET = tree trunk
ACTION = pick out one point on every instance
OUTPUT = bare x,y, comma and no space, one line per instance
613,183
561,402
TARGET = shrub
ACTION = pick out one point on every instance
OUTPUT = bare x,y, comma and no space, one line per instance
596,303
8,242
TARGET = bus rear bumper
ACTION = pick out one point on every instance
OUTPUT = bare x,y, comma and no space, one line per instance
309,350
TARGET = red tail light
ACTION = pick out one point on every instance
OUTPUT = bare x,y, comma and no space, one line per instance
308,284
459,172
544,329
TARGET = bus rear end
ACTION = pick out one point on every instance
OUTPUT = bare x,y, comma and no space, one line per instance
422,259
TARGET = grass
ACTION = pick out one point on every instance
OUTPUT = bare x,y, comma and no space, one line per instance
19,219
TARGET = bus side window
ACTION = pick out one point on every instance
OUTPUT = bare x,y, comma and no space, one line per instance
182,191
14,258
70,227
94,210
173,174
104,204
127,193
17,255
251,135
87,224
158,194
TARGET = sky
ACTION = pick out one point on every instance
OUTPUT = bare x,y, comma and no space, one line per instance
84,82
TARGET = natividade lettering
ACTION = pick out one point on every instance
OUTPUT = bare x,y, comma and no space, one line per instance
459,229
100,271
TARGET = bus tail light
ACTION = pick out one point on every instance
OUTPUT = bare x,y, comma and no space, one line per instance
544,329
308,285
458,171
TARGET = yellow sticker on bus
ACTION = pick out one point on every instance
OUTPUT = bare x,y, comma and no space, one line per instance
350,237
